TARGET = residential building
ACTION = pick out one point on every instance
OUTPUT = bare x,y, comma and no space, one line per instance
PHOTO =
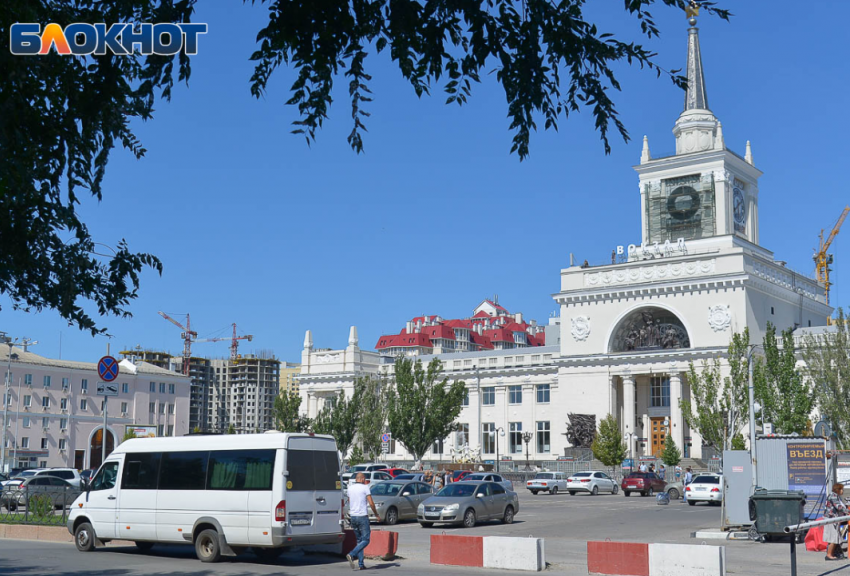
55,416
288,373
243,393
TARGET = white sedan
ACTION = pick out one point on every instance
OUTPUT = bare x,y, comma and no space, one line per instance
489,477
549,482
705,488
593,482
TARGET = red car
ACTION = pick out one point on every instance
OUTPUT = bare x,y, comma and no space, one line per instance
395,471
459,475
646,483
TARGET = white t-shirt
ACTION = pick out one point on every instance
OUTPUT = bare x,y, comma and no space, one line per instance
357,503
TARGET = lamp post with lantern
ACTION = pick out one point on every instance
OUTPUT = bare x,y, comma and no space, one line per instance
526,437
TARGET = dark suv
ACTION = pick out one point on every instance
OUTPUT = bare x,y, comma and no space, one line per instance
647,483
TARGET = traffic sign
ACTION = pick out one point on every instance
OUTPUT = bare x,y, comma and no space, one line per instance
107,389
107,368
385,438
385,447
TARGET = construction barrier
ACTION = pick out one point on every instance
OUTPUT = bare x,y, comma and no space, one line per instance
636,559
676,559
488,552
383,544
457,550
514,553
621,558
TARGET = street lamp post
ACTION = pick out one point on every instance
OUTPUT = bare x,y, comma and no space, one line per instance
498,432
751,392
8,341
526,437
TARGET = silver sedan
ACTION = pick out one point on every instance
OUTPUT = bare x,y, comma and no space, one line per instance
467,503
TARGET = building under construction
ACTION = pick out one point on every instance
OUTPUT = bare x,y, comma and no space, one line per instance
225,392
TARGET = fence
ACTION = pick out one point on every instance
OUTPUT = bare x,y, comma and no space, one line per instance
43,505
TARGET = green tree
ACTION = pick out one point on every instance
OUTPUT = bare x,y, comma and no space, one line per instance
340,420
61,117
422,405
372,393
719,407
548,57
827,358
286,413
129,434
671,456
608,446
231,430
786,397
356,456
738,442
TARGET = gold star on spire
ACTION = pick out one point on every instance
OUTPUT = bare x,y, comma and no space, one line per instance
692,10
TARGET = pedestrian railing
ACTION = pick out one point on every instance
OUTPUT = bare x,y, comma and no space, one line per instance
46,507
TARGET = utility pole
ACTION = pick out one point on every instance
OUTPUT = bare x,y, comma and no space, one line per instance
751,392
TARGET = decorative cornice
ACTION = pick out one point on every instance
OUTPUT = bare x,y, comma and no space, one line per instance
650,273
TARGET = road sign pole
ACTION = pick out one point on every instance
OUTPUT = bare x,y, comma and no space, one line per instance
103,437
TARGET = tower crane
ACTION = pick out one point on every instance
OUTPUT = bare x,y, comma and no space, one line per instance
823,259
188,336
234,342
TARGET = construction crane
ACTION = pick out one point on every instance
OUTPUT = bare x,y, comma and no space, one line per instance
234,342
188,336
823,259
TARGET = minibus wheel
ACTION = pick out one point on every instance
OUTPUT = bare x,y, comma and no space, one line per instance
207,547
84,537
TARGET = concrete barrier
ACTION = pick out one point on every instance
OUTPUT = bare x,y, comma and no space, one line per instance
514,553
693,560
383,544
621,558
457,550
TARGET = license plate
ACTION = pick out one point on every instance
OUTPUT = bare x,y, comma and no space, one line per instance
432,515
300,521
700,489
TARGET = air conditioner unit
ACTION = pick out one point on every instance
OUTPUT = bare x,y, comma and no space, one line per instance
26,408
45,408
64,410
123,414
46,429
62,450
63,430
84,391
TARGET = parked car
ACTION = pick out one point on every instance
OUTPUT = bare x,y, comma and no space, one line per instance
61,493
705,488
458,475
488,477
468,503
397,500
70,475
592,482
86,476
675,490
418,476
550,482
363,468
376,476
394,472
647,483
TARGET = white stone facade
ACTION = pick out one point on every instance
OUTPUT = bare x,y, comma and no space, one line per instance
628,331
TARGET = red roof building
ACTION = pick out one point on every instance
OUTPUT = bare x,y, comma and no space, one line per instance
491,327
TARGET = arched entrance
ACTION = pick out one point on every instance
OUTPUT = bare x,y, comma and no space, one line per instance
96,447
649,328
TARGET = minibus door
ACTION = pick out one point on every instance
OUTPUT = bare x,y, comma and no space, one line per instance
101,501
313,503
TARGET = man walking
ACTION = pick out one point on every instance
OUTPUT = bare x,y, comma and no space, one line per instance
358,498
689,477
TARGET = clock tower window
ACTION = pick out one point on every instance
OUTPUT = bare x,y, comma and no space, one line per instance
681,208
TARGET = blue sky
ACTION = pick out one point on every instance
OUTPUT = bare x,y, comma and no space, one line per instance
257,228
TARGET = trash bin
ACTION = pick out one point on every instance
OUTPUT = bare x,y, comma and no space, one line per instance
773,510
662,499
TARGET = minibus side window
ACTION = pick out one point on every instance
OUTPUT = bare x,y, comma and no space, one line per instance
241,470
183,471
140,471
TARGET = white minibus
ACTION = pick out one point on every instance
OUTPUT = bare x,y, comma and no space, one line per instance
220,493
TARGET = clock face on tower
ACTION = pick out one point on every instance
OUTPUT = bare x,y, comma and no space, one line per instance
738,206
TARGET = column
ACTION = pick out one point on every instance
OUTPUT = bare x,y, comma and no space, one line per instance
677,422
629,411
474,412
311,402
613,396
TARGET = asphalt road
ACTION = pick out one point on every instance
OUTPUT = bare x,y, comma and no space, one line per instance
566,522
